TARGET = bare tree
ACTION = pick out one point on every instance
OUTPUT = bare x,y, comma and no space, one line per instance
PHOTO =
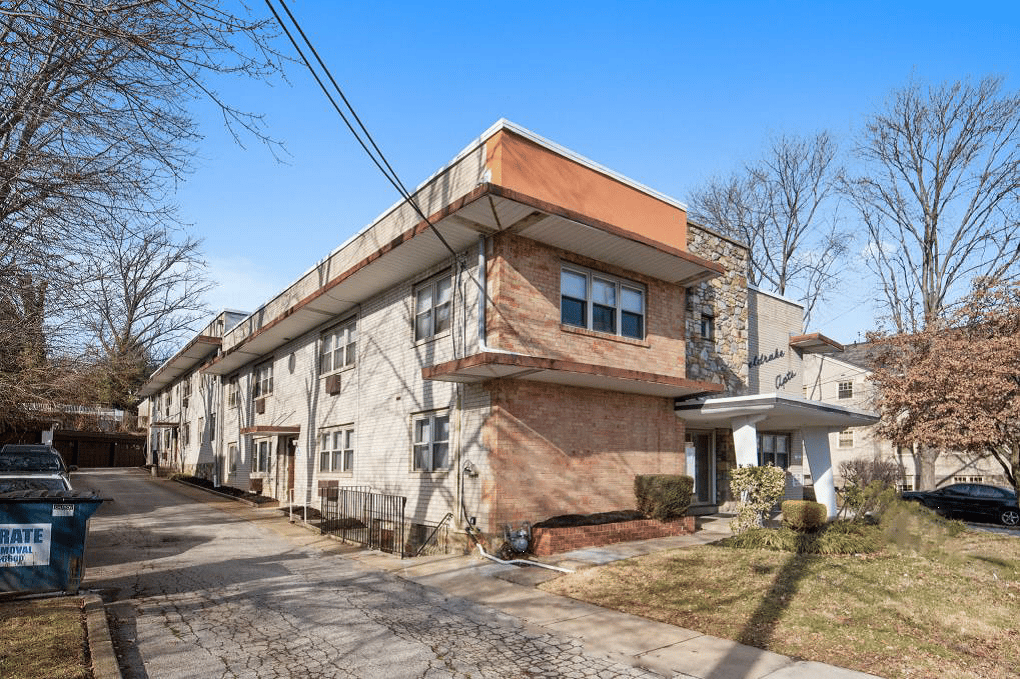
143,291
938,192
95,130
781,208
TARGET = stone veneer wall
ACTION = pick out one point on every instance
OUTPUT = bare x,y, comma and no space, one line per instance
725,298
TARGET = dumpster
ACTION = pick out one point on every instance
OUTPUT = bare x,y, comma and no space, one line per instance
42,540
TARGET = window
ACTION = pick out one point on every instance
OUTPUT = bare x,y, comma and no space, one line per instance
260,460
233,393
185,433
708,327
263,380
336,450
186,388
602,303
336,350
212,426
431,442
846,438
432,307
846,389
774,449
232,458
201,430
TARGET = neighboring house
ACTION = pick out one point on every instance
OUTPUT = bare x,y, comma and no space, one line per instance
582,333
844,379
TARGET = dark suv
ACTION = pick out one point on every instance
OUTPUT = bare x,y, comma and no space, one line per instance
975,501
33,457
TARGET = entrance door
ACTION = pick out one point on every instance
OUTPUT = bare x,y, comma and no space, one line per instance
701,465
285,449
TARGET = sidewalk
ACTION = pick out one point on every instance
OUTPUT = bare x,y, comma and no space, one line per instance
659,647
673,652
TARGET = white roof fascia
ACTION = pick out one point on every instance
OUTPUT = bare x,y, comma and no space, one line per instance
774,295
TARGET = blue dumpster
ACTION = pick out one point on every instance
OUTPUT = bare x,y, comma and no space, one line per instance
42,540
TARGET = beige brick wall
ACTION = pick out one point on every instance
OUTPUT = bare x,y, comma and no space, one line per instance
773,320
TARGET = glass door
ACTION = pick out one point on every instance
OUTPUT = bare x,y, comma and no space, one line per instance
701,465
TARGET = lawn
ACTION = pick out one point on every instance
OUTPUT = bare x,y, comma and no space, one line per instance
43,639
930,604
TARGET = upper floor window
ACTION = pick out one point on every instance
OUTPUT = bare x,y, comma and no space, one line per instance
846,438
602,303
233,392
432,442
846,389
263,380
337,348
774,449
432,304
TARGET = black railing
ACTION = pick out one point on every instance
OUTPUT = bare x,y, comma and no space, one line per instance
429,538
372,520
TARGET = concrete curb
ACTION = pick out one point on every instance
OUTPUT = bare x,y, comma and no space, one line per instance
104,658
265,505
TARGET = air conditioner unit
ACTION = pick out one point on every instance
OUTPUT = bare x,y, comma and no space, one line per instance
333,384
184,402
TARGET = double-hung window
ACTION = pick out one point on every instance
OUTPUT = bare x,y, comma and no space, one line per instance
432,305
260,460
602,303
846,438
233,392
774,449
336,450
432,442
263,380
846,390
336,350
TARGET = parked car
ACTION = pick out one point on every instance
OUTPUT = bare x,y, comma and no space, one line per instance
972,501
21,459
16,482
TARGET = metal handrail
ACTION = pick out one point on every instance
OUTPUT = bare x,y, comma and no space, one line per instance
435,530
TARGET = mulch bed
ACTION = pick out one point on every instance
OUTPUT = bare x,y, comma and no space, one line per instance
571,520
225,490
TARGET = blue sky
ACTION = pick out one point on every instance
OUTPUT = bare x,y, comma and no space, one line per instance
668,93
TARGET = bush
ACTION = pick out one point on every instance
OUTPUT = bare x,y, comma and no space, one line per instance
862,472
759,490
663,496
803,515
838,537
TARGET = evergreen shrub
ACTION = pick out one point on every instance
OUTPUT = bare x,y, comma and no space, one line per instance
663,496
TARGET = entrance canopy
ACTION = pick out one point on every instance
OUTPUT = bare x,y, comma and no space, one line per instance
777,412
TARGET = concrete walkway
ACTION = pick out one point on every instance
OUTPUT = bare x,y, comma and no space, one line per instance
662,648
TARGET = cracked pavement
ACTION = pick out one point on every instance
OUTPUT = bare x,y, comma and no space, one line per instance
196,590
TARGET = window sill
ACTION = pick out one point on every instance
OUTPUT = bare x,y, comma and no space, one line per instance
604,335
341,371
337,475
431,338
435,472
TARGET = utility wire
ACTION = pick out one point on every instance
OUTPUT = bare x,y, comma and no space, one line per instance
379,161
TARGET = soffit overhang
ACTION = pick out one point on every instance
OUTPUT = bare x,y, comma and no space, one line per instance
487,210
193,354
497,365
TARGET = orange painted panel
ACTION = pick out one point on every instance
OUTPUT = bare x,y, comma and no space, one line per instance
524,166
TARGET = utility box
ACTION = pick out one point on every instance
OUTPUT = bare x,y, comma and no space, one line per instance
42,540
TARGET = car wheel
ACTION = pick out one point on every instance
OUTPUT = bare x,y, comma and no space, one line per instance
1010,517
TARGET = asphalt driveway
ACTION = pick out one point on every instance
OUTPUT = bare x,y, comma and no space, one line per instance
198,590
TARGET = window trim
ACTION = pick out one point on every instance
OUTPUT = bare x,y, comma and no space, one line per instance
431,443
845,441
257,466
619,284
845,389
350,326
762,461
234,392
348,438
258,380
432,282
706,327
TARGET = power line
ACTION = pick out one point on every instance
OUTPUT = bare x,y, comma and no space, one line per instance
377,157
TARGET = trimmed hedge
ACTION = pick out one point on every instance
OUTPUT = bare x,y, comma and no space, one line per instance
804,515
663,496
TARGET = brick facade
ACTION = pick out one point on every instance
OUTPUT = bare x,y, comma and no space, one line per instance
562,450
548,541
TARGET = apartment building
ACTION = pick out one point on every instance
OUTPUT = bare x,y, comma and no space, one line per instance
551,331
844,379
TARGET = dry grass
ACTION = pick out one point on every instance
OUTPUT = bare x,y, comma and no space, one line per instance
42,639
933,606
